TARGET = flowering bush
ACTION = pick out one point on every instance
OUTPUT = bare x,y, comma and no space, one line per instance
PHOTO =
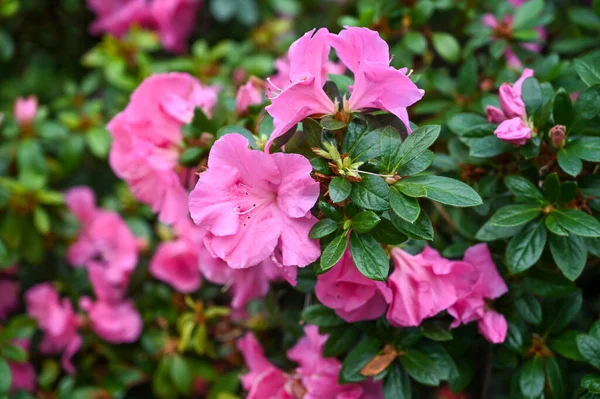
299,199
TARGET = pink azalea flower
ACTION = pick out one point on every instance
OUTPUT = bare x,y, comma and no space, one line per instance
252,204
147,137
353,296
25,110
116,323
105,242
424,285
320,375
176,262
487,284
247,95
57,320
514,125
173,20
9,300
446,393
376,83
505,28
23,374
263,380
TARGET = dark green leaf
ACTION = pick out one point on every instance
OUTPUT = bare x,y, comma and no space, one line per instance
523,188
386,233
371,193
339,189
531,93
191,156
529,309
563,108
552,187
323,228
369,256
390,142
587,105
417,165
460,123
569,253
330,211
415,144
415,42
587,72
445,190
5,376
487,147
321,165
488,232
341,340
556,378
446,46
365,221
586,148
410,189
566,345
515,215
181,374
589,347
358,358
532,378
553,226
568,307
333,252
360,143
397,384
527,14
321,316
525,248
591,382
332,124
420,367
421,229
404,206
578,222
569,162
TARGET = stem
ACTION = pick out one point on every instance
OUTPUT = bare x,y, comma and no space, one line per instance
488,375
445,215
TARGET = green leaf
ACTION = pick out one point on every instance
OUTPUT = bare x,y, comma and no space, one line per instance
569,162
321,316
360,143
460,123
488,232
365,221
339,189
410,189
397,383
563,108
586,148
181,374
587,72
446,191
569,253
420,367
566,345
591,382
532,378
332,124
341,340
515,215
415,42
5,376
523,188
386,233
527,14
321,165
191,157
404,206
531,93
578,222
529,309
371,193
415,144
14,353
323,228
446,45
417,165
556,378
525,248
568,307
223,10
589,347
554,227
587,106
551,187
358,358
568,191
421,229
436,331
369,256
487,147
312,131
390,143
41,220
330,211
333,252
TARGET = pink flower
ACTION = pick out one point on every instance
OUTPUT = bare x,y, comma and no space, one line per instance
57,320
376,83
115,323
173,19
320,375
147,137
512,117
252,204
353,296
9,300
25,110
446,393
23,374
424,285
263,380
105,242
487,285
176,262
247,95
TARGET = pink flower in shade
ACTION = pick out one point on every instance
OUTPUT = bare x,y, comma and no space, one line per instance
25,110
353,296
247,95
376,83
512,117
23,374
253,204
147,137
504,27
105,242
424,285
57,320
263,380
9,300
116,323
487,285
176,262
320,375
173,20
446,393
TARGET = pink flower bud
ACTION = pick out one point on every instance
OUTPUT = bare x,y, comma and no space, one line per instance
557,135
25,110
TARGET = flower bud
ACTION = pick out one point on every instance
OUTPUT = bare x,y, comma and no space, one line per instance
557,135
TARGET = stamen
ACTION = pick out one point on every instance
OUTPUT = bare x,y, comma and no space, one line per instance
244,212
273,84
409,73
